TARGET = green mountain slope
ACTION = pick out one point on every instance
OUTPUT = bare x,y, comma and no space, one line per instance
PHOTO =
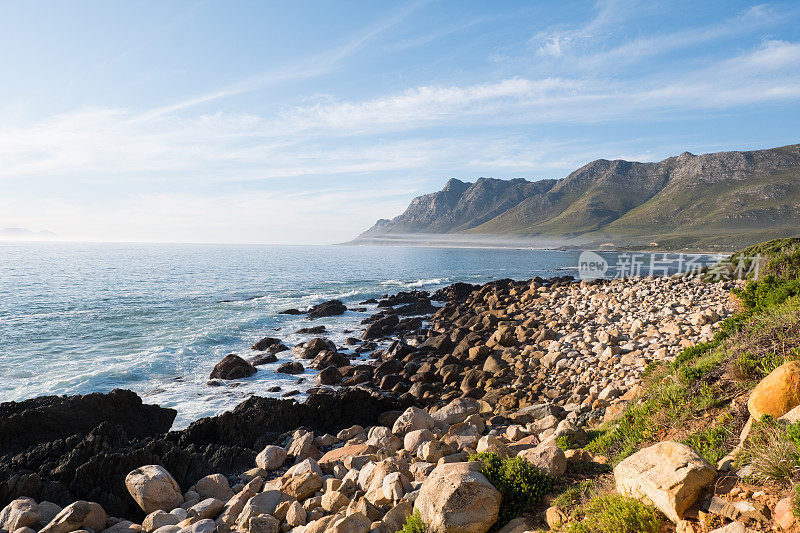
723,200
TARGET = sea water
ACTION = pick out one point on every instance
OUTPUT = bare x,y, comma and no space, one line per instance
80,318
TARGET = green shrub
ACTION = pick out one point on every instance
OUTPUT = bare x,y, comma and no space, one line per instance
565,443
617,514
710,442
757,366
772,451
767,292
414,524
574,495
796,501
519,482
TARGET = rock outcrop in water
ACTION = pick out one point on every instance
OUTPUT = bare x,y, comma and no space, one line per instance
50,418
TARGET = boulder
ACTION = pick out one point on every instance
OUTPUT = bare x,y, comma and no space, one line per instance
263,524
235,505
123,526
782,515
327,358
412,419
329,376
393,521
262,503
414,439
266,342
382,438
202,526
233,367
302,446
78,515
354,523
270,458
48,511
777,393
456,411
329,308
153,488
547,457
208,508
668,474
302,486
456,497
492,444
22,512
215,486
159,519
290,367
296,515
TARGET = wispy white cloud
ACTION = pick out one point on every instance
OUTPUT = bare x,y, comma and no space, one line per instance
335,138
306,68
557,41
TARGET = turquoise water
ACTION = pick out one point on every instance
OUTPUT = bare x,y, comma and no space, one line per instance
78,318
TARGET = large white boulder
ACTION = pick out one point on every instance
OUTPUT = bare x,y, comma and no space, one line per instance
457,498
456,411
547,457
153,488
215,486
271,458
412,419
668,474
22,512
78,515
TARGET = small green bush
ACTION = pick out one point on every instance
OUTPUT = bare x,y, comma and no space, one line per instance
520,483
575,494
796,501
414,524
565,443
710,442
772,451
613,513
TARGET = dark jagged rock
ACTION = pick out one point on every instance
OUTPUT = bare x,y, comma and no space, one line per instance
316,330
263,359
291,312
381,327
291,367
404,297
418,307
457,292
266,342
259,421
329,308
49,418
329,376
233,367
327,358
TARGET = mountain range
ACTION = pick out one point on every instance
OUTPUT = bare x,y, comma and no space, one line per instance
717,201
23,234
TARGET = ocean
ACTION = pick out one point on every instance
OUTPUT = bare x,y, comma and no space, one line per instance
80,318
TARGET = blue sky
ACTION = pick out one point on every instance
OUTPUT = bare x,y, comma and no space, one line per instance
304,122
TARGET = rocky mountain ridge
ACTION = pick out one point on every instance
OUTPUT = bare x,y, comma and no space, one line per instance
724,200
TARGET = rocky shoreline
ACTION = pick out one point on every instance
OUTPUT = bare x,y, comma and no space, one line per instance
507,367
